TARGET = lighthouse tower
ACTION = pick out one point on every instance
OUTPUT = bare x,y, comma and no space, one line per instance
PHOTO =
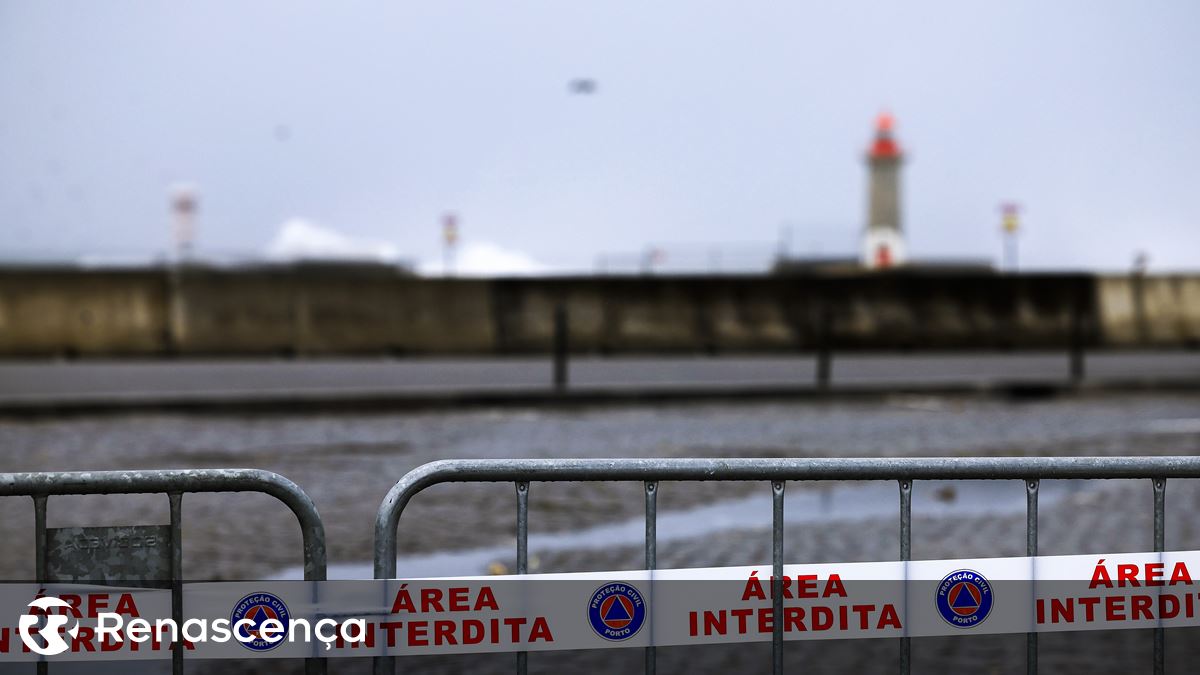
883,240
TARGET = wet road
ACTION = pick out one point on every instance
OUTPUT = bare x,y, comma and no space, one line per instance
82,381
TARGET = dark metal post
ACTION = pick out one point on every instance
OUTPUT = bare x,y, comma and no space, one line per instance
1077,337
824,345
561,347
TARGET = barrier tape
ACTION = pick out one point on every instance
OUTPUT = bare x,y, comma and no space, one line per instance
545,612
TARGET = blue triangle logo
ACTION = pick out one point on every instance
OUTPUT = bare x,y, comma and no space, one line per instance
964,598
617,612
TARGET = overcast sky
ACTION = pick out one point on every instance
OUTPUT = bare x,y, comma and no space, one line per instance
712,123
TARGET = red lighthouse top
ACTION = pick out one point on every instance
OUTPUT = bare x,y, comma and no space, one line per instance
884,146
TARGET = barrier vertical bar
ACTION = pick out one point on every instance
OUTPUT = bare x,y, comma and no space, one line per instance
651,561
1031,550
1160,545
176,500
905,555
39,556
777,578
522,553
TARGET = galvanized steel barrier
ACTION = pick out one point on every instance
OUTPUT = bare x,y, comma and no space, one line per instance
776,472
173,483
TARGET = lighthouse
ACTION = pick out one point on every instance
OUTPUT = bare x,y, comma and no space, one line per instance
883,238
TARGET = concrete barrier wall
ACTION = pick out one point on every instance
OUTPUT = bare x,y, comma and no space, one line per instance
315,310
323,311
55,313
790,313
1153,310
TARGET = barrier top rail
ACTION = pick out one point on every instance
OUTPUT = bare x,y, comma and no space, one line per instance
777,472
179,481
751,469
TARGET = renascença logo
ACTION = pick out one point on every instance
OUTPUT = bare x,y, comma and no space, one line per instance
260,622
49,633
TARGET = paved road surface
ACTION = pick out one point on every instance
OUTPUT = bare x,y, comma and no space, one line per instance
31,383
347,461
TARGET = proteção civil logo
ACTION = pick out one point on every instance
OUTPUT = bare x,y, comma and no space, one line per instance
269,619
616,611
964,598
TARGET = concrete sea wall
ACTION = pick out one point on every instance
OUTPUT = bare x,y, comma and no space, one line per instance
328,310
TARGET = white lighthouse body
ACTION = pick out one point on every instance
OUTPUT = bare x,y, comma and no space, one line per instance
883,236
883,247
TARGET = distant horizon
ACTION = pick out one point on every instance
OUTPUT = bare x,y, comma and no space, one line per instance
163,261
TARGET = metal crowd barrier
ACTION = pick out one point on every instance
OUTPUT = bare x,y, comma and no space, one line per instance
776,472
173,483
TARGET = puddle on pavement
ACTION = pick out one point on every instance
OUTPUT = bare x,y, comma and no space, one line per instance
834,502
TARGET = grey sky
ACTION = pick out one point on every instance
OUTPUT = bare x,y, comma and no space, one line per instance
713,122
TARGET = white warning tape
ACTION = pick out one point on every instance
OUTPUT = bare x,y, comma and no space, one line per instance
545,612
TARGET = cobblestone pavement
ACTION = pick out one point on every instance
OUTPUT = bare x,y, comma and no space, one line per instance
347,462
